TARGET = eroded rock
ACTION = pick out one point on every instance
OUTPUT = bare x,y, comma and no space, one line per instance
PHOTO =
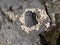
17,30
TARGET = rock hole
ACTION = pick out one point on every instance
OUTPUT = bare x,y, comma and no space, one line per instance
10,20
30,19
10,9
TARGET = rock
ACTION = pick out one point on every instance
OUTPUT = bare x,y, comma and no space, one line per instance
18,28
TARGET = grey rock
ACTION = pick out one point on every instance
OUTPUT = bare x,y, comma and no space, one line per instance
11,32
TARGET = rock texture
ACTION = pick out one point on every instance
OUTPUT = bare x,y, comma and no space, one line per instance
53,35
13,20
20,27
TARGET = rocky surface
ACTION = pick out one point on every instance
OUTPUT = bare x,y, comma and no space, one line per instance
20,27
53,35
